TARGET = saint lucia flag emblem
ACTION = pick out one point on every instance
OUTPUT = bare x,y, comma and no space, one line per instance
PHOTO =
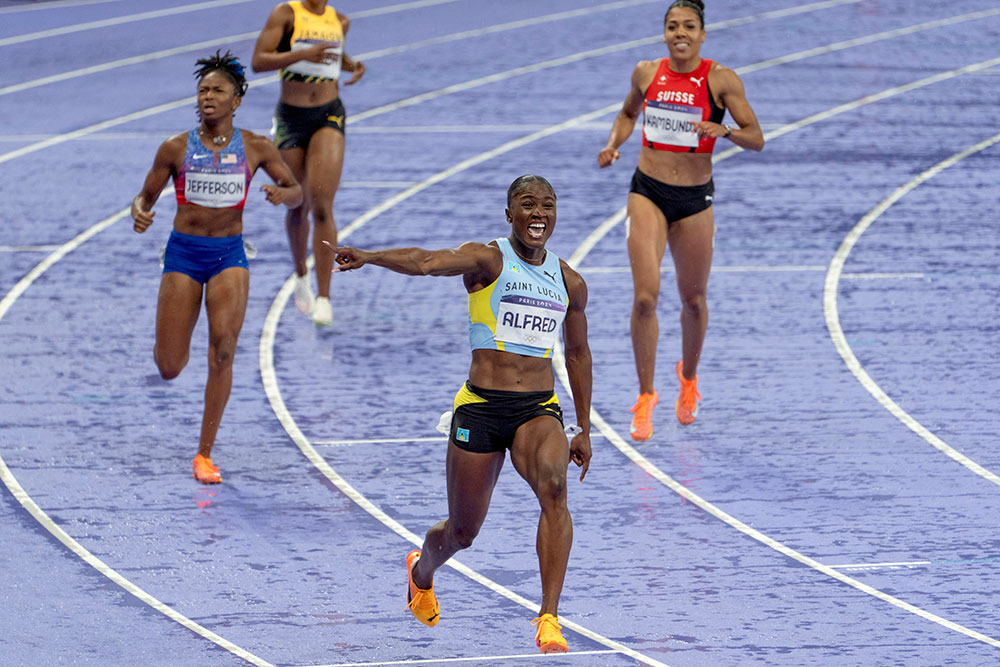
511,266
462,434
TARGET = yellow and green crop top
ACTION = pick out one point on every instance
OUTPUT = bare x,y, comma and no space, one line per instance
309,29
522,310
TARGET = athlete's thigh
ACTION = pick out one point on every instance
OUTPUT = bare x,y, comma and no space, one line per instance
540,449
647,241
226,296
471,477
691,243
177,308
324,162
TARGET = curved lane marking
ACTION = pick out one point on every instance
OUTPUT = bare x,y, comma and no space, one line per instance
263,81
371,55
833,316
270,382
46,521
651,469
269,378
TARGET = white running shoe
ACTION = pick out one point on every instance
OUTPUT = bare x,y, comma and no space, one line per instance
303,294
322,312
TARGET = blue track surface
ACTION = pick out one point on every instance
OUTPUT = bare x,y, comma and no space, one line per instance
819,512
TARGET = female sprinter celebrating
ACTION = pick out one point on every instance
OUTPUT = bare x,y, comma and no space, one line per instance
305,41
684,98
520,296
212,166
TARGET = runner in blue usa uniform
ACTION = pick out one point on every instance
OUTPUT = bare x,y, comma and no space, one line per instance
212,166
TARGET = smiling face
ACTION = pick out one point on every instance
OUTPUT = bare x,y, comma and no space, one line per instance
217,96
683,33
532,215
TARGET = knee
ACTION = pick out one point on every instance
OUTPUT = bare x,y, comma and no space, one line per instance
298,215
645,302
695,305
322,213
221,349
168,368
551,486
462,536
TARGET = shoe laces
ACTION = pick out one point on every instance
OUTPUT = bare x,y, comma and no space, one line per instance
421,599
689,392
643,407
547,626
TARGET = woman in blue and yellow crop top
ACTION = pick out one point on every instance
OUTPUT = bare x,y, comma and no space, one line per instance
304,40
211,165
521,297
684,99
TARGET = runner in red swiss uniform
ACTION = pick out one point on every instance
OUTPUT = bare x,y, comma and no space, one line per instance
684,99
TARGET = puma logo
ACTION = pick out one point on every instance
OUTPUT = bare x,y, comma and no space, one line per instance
696,81
551,276
339,120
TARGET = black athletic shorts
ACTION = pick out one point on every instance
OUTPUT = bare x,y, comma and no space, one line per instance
485,420
294,126
676,201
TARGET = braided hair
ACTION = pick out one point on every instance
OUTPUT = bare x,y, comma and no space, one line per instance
697,5
521,182
226,63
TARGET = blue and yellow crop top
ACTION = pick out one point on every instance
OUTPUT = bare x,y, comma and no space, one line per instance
214,179
309,29
522,310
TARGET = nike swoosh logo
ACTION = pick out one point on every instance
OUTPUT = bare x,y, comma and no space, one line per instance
198,157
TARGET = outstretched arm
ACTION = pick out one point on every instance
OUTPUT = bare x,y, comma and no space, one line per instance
469,259
579,365
624,123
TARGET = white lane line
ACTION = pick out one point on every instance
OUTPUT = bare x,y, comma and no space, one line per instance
53,5
805,268
601,231
449,661
243,36
558,362
876,37
399,7
833,316
197,46
629,451
378,184
118,20
512,25
269,378
375,211
375,441
577,57
46,521
97,127
906,563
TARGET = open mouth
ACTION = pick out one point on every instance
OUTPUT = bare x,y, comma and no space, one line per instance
536,230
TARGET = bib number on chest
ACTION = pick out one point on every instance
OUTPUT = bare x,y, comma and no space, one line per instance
671,124
214,190
527,321
328,69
